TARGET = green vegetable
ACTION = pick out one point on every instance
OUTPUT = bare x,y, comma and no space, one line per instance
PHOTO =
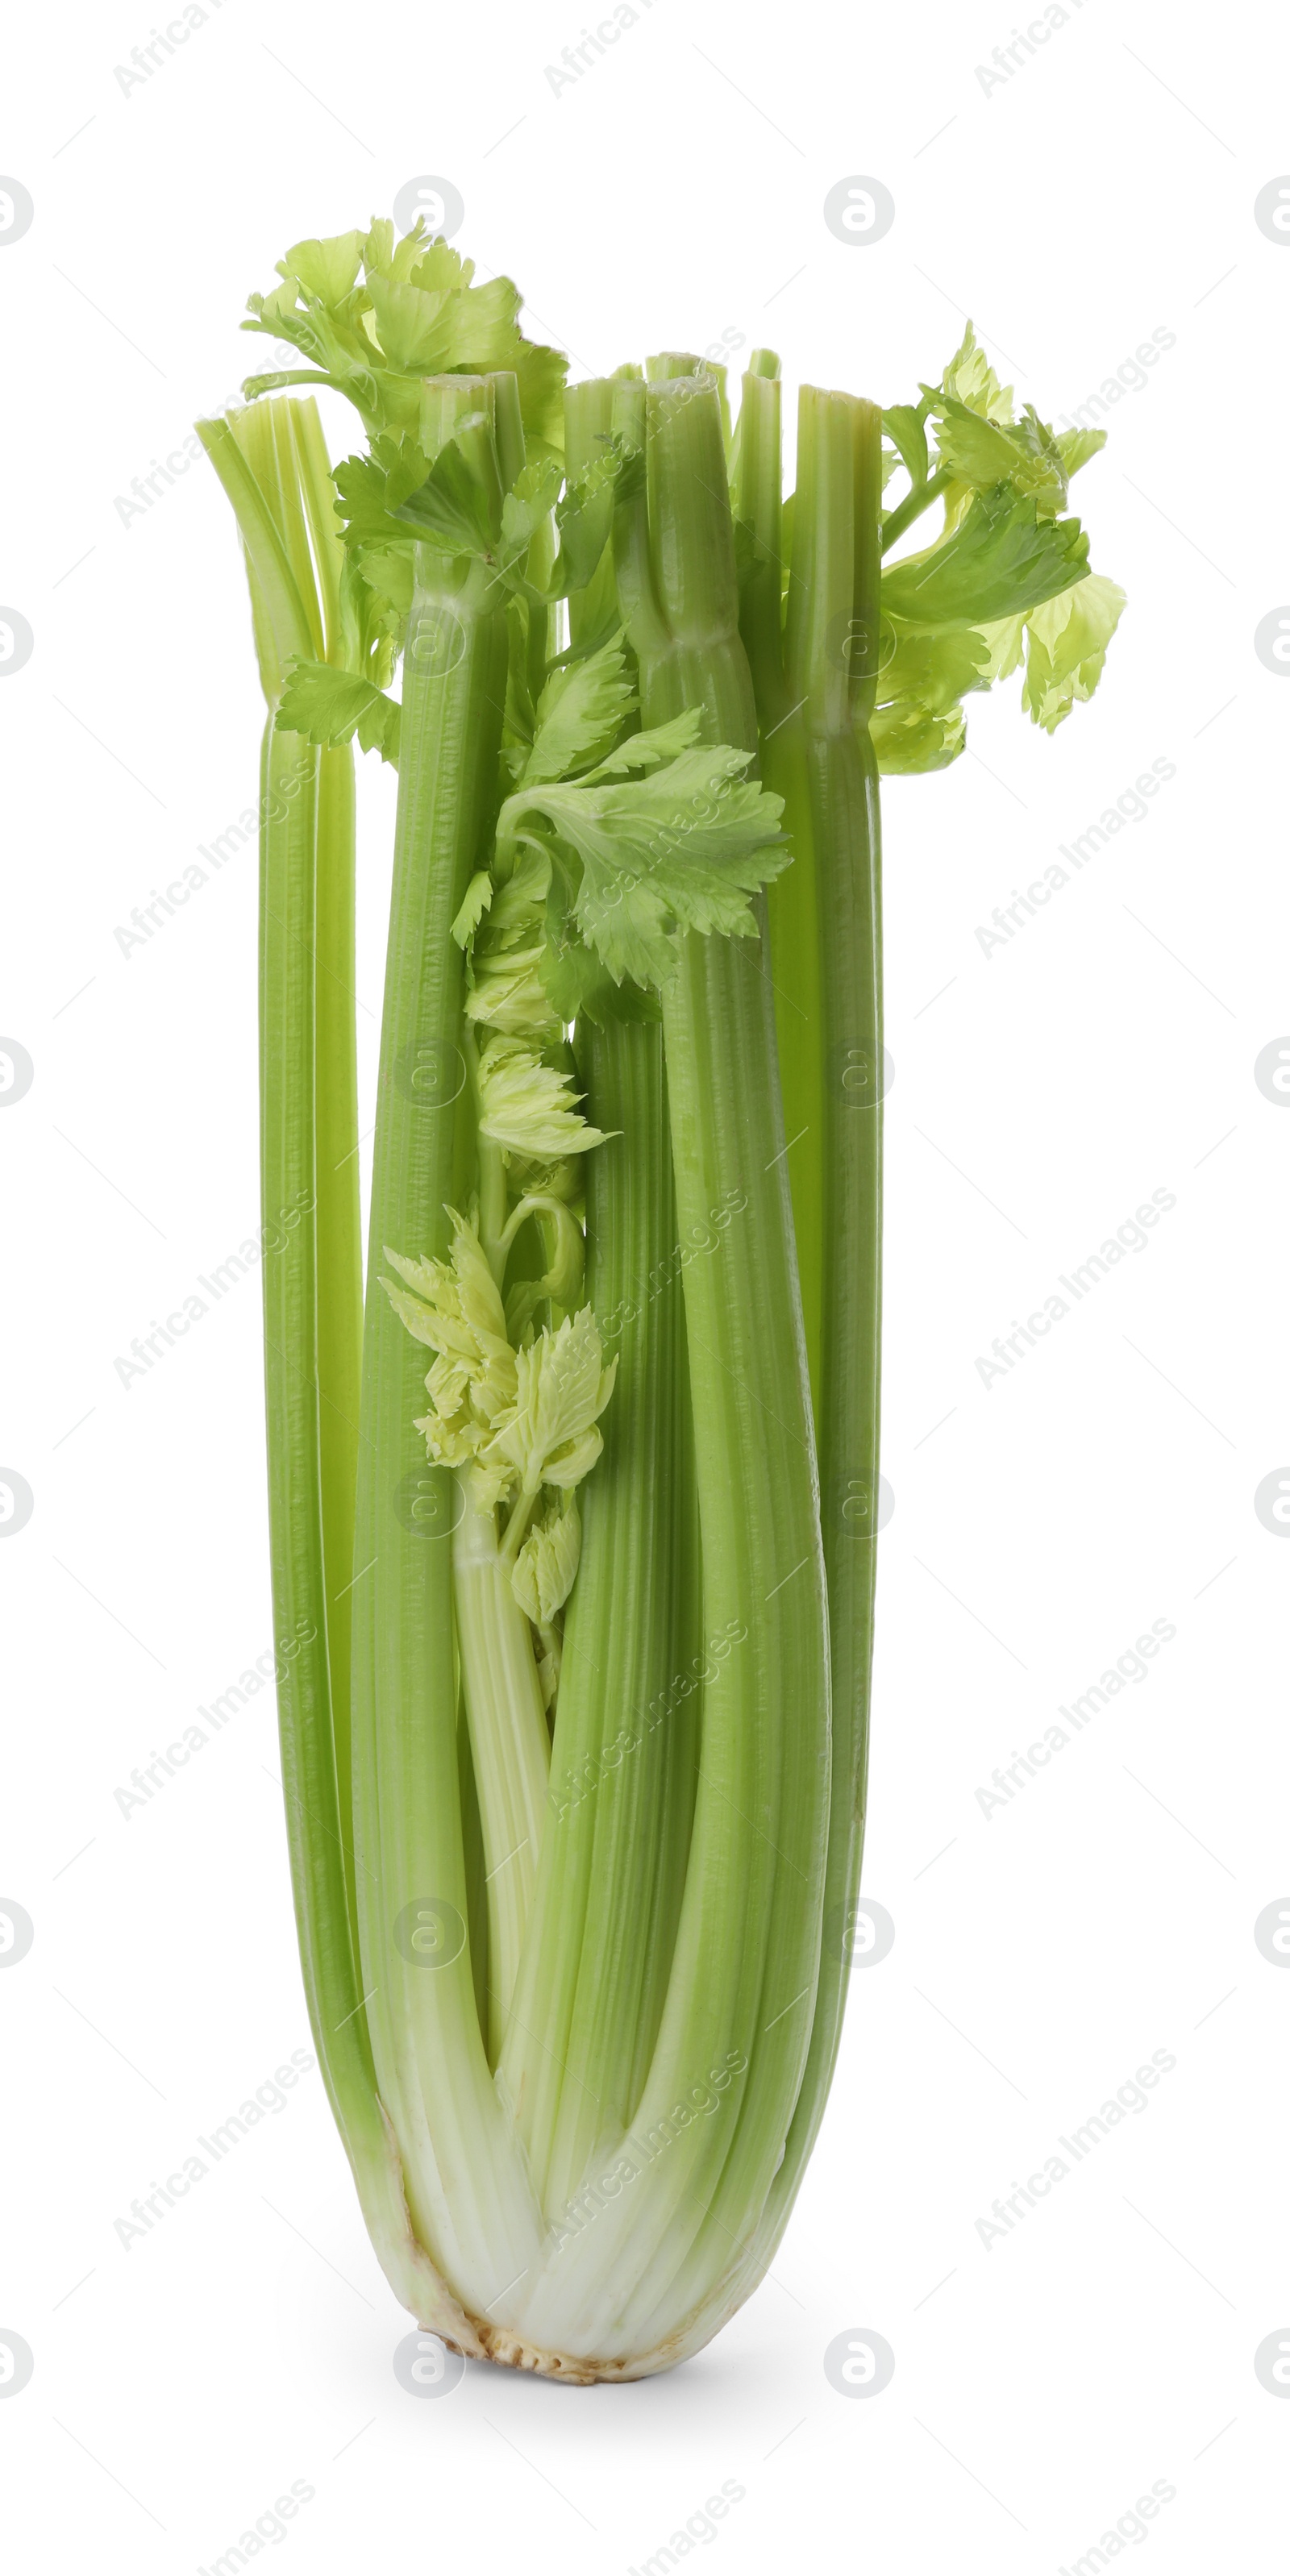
577,1619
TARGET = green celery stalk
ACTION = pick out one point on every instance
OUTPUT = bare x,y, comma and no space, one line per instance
577,1991
339,1237
508,1739
272,468
740,1997
339,1246
826,948
791,900
622,1783
586,2015
467,2193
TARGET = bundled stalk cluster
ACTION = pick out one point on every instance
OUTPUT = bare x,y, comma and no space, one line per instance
574,1735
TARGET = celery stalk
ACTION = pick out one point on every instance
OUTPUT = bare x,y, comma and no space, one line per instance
748,1995
507,1727
268,464
831,785
575,1787
622,1778
466,2194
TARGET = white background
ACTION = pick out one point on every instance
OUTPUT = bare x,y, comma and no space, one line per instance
1101,192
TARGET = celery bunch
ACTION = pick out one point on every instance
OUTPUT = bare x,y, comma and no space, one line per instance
574,1740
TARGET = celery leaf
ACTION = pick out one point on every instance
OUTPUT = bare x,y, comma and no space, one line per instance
982,452
581,987
414,311
529,1107
681,850
430,334
903,424
562,1387
918,723
474,904
450,508
455,1307
581,709
644,751
909,740
971,380
543,1573
326,269
527,506
329,706
1077,445
1000,560
585,512
1068,637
